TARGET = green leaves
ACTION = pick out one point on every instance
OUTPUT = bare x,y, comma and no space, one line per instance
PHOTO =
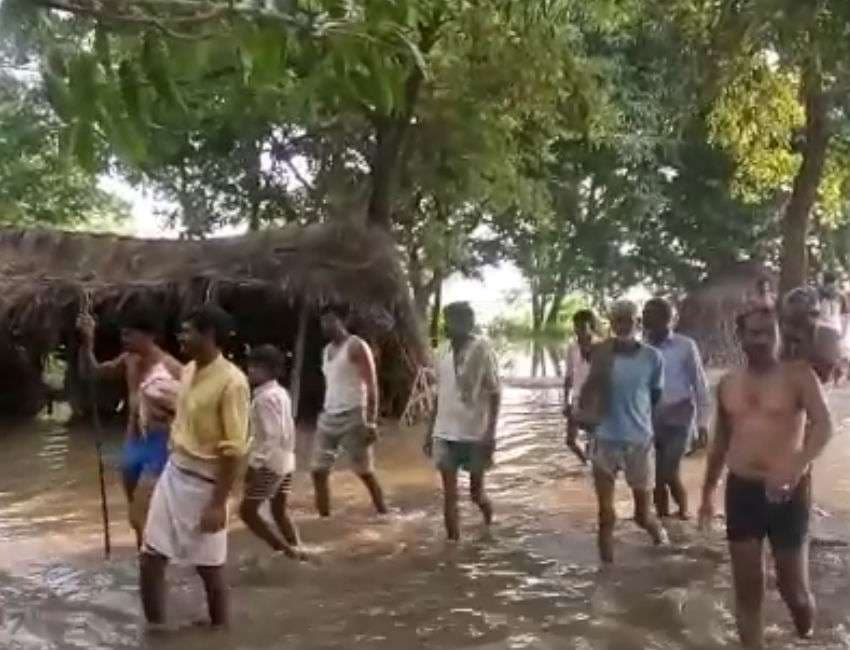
154,61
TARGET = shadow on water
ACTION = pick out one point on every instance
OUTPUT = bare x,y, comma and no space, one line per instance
393,583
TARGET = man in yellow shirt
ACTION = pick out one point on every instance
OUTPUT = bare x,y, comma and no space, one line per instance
187,522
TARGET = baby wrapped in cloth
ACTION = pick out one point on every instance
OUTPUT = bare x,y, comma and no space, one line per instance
157,401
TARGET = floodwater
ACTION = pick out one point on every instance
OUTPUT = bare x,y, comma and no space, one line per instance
393,583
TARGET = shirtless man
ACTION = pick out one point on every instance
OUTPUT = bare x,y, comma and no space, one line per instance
151,377
772,422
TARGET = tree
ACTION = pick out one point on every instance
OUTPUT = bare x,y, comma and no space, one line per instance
148,75
38,186
786,45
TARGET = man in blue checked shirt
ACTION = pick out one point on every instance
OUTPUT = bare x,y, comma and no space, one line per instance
684,399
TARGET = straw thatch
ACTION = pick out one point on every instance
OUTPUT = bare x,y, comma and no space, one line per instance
707,314
264,279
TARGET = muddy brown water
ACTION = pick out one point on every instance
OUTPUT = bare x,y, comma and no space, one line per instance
393,584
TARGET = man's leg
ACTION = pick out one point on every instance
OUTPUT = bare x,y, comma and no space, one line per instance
603,482
284,523
322,491
450,507
639,470
152,586
218,595
675,452
792,577
375,491
645,518
749,579
249,512
479,496
661,496
360,448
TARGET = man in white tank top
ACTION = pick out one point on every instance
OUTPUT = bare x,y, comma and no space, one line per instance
350,412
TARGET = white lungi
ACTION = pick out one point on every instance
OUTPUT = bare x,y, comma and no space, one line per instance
173,527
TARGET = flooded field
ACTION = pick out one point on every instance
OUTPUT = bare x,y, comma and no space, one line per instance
393,583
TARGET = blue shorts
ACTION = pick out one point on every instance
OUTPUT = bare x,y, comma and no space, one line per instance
145,455
452,455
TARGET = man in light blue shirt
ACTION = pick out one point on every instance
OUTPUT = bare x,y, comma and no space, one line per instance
623,440
684,399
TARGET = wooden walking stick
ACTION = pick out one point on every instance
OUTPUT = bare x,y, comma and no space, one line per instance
98,433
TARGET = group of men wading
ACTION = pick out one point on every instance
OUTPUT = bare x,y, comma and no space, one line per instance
637,401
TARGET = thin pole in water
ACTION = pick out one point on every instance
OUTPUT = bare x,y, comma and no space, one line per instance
95,416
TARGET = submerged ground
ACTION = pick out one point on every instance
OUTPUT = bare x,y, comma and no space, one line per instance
392,584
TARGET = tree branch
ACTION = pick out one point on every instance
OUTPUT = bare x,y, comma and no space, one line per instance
185,13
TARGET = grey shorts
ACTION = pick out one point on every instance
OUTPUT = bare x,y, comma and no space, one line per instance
671,443
453,455
637,462
345,430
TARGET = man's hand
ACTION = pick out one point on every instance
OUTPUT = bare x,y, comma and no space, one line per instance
214,518
371,433
706,513
490,442
702,437
85,326
785,479
428,446
572,442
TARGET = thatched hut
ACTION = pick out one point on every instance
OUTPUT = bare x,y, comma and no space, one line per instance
274,283
707,313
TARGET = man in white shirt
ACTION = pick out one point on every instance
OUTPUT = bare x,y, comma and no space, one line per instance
462,434
271,457
577,370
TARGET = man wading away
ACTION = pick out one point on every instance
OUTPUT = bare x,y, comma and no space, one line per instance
772,422
271,458
350,412
626,379
462,433
805,337
187,522
685,397
577,370
151,377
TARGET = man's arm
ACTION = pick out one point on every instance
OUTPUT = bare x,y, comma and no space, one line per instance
234,417
361,356
819,427
719,450
87,363
656,382
568,384
699,384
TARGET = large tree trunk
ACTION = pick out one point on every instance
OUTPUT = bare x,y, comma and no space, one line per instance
795,224
538,310
389,136
555,309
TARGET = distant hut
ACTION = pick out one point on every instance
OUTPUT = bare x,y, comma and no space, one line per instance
273,282
707,313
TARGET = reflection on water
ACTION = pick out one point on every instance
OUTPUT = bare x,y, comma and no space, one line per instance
532,358
387,584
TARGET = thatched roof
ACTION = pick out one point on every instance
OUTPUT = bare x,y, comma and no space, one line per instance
45,274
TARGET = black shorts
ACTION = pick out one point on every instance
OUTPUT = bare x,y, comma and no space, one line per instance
749,514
